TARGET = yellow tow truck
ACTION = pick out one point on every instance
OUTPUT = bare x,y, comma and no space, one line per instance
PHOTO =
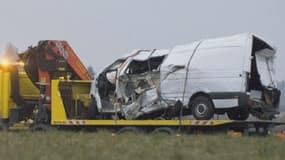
38,99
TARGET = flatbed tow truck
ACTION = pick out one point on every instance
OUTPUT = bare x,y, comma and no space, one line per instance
62,119
62,96
59,118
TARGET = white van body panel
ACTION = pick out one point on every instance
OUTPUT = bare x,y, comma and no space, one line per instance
226,103
217,65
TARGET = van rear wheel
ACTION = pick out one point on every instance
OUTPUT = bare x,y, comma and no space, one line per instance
202,108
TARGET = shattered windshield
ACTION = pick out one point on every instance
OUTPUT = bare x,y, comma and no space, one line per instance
138,67
116,65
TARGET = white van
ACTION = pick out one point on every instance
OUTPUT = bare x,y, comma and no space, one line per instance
233,75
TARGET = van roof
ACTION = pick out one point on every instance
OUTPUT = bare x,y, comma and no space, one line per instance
234,40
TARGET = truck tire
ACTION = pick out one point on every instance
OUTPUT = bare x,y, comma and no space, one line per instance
92,109
202,108
40,128
238,114
165,130
134,130
4,125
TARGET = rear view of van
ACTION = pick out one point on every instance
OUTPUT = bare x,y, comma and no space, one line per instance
233,75
261,83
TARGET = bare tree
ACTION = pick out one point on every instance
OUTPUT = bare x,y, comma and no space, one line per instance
91,70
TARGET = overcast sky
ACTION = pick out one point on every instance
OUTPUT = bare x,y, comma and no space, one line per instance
100,31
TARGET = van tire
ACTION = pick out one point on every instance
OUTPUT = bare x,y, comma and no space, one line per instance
202,108
238,114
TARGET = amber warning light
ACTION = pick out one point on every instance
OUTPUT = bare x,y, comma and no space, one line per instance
6,63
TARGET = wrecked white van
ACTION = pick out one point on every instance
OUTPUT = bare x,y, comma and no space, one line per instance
233,75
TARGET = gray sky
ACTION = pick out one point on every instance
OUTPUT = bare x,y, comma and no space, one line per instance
100,31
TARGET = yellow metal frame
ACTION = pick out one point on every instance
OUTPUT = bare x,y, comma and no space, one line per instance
58,115
58,112
5,91
26,89
57,107
141,122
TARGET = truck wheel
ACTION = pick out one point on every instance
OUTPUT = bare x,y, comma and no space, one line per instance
92,109
202,108
165,130
40,128
4,125
133,130
238,114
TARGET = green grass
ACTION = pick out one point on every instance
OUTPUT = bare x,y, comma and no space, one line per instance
60,145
